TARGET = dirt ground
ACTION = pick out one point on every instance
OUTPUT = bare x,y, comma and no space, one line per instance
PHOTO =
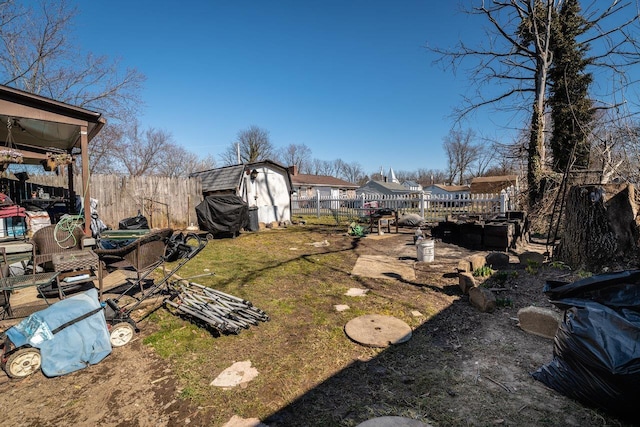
492,355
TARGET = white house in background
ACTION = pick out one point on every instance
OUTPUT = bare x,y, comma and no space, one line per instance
441,189
412,186
447,195
264,185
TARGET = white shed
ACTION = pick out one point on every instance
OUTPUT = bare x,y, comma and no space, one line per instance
264,185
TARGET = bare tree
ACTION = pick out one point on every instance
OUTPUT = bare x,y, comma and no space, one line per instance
461,151
493,159
352,172
37,55
377,176
149,147
296,155
324,167
512,63
178,162
103,148
251,145
615,147
403,175
427,177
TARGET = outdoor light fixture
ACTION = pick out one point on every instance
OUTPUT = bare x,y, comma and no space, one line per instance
253,175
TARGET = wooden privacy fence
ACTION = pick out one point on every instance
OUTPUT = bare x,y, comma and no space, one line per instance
432,207
166,202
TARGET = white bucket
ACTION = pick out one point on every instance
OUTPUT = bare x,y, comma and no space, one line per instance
426,251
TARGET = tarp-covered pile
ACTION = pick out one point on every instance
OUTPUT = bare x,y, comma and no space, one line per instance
71,334
225,213
597,346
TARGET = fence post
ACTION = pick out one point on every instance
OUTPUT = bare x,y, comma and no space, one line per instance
318,203
422,204
503,201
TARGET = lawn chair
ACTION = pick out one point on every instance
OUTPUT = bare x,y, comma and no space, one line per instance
54,250
140,256
51,240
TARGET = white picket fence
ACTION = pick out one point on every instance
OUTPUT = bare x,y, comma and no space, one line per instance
432,207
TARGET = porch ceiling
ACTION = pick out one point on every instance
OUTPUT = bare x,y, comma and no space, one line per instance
40,124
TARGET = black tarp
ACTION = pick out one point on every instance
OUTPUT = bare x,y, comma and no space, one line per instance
596,355
223,214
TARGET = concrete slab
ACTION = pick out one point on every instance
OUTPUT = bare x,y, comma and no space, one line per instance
383,267
237,421
393,422
356,292
239,373
376,330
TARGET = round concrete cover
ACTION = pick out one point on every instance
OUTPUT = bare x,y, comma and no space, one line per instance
375,330
392,422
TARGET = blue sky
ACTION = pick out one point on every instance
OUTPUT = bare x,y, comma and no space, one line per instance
349,79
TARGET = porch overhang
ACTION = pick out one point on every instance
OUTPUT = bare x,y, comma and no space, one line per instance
39,125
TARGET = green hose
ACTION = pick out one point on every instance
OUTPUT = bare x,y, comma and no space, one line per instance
66,225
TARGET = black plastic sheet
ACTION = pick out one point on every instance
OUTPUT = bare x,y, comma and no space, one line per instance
138,222
597,347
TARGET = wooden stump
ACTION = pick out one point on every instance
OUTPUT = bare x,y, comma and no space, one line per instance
601,228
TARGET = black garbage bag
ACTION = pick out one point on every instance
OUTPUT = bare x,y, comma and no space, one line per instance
596,354
138,222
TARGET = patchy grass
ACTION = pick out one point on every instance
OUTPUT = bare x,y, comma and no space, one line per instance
311,374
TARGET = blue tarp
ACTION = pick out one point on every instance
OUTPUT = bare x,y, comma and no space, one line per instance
85,342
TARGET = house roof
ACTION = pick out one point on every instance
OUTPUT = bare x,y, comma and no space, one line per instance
410,184
492,184
383,187
448,188
229,178
320,181
452,188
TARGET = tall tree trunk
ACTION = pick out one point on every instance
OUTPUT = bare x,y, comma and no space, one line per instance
535,158
601,228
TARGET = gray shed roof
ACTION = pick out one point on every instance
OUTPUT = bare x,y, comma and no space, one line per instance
221,179
229,178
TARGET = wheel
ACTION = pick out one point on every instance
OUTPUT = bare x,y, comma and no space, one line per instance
121,334
23,362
